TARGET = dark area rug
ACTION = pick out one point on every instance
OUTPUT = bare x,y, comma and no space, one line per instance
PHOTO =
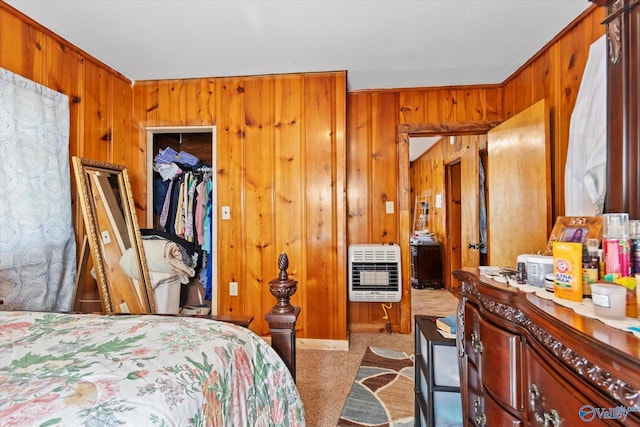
382,393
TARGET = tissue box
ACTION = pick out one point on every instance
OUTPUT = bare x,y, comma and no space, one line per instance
537,267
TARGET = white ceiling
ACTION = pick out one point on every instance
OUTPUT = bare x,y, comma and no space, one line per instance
381,44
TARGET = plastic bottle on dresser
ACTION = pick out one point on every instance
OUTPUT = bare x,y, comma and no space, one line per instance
615,245
634,234
590,266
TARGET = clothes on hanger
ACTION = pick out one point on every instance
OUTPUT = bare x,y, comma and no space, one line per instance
182,201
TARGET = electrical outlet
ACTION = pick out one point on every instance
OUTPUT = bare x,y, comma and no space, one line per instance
233,289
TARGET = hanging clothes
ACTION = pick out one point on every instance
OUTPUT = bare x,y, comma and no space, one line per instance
483,211
585,168
185,209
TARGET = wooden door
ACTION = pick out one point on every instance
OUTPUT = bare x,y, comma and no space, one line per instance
470,213
519,182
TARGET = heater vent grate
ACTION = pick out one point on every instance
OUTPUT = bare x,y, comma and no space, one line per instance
374,273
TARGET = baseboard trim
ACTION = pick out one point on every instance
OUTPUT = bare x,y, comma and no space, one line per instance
317,344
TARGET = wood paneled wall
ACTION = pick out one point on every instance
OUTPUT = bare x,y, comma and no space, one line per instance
292,181
280,160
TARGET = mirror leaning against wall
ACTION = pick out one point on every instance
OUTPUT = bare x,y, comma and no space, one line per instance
113,235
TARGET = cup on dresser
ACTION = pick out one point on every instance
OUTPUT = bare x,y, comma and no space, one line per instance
609,300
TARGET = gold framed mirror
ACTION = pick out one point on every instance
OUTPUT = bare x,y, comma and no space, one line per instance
115,242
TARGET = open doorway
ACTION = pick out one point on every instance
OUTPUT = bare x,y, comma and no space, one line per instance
405,202
199,143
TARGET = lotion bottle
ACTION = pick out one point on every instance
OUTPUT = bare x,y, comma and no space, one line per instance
616,246
635,246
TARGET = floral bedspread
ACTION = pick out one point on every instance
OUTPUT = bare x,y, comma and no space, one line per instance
98,370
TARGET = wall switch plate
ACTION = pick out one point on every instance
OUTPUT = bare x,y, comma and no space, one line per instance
389,207
226,212
233,289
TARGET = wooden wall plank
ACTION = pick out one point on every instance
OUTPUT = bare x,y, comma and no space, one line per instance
359,159
231,178
64,71
258,213
493,103
339,288
22,47
413,108
289,197
199,98
432,106
384,166
97,125
320,219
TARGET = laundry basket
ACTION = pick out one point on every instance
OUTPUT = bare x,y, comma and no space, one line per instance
167,296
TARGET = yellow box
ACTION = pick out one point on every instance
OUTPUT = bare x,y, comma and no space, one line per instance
567,270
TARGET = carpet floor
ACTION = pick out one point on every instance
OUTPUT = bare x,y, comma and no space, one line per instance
324,377
382,388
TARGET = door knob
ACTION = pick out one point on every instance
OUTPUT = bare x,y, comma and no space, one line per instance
475,245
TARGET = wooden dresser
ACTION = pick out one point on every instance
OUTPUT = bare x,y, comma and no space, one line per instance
526,361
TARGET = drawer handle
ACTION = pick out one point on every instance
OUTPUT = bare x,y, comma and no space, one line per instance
481,418
545,419
476,344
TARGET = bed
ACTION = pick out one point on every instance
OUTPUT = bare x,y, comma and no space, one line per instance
90,369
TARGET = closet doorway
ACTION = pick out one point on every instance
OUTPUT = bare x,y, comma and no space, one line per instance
199,141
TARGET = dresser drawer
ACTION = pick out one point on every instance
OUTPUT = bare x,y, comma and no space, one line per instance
497,355
482,410
552,398
471,331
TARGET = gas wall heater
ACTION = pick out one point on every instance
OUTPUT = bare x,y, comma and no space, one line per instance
374,273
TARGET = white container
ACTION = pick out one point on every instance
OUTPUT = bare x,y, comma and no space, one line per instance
538,266
549,282
609,300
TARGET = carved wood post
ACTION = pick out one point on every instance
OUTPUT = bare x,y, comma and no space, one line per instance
283,316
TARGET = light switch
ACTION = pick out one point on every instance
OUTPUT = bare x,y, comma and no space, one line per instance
389,207
233,289
226,212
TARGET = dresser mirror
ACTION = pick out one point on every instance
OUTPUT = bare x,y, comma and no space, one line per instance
114,239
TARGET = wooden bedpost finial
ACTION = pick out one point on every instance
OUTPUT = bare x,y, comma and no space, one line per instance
283,264
283,287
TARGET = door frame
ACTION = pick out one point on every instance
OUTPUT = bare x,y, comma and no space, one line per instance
448,217
404,132
150,132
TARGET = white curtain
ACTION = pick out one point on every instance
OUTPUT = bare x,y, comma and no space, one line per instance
37,245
